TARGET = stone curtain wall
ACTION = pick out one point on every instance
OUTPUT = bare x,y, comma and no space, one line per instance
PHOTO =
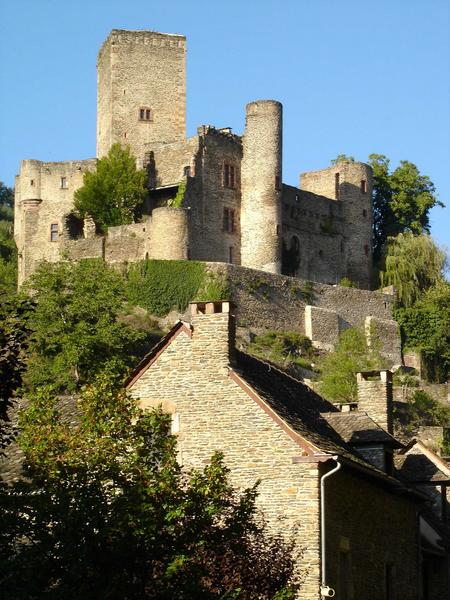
268,301
141,69
376,528
190,380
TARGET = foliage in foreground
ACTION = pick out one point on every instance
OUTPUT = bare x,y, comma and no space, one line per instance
8,250
337,381
113,194
108,513
76,331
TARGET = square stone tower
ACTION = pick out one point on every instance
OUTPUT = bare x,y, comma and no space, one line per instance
141,90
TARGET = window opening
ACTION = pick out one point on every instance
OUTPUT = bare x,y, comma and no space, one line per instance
228,220
230,254
366,250
145,114
63,183
364,212
31,181
54,232
336,186
229,177
363,186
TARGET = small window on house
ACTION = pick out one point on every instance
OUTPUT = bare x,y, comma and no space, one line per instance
187,171
364,212
63,183
54,232
145,114
336,186
228,220
230,254
363,186
366,250
229,176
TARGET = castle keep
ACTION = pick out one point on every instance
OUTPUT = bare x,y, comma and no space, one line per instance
236,208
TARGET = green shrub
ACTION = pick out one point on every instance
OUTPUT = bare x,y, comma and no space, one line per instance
346,282
214,288
283,347
160,286
177,202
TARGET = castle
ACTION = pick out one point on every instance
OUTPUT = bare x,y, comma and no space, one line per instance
236,208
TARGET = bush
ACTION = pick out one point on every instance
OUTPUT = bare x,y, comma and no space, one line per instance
283,347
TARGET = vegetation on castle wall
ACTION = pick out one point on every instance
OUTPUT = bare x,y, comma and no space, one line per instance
113,194
177,202
337,380
160,286
107,512
284,348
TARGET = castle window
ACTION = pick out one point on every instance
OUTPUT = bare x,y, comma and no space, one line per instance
145,114
366,250
31,181
363,186
187,171
228,220
336,186
63,183
320,253
54,232
297,197
364,212
229,176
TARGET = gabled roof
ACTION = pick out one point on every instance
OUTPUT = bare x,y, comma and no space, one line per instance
419,464
358,429
150,358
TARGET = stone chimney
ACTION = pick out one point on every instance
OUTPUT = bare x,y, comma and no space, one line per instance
375,397
213,336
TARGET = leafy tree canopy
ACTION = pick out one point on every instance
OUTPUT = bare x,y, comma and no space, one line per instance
337,381
108,513
402,200
114,193
413,263
75,326
342,158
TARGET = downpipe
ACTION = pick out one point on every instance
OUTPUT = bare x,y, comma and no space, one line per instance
325,590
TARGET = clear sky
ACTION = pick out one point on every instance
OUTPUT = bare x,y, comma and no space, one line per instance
354,76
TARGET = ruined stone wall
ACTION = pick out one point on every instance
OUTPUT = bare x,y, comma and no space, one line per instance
374,528
351,185
171,159
313,230
261,222
211,412
140,70
276,302
44,197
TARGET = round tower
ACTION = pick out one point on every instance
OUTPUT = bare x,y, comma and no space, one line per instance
169,234
261,187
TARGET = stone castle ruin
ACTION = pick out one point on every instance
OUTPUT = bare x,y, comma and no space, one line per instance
236,208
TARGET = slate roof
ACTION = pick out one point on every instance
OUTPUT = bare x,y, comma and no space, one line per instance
300,407
419,468
357,428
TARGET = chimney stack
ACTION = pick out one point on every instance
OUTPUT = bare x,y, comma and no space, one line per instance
213,336
375,397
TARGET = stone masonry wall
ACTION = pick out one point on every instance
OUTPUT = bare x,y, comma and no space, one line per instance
190,380
268,301
140,69
375,397
374,528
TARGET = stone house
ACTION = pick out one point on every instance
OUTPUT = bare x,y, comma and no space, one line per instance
327,476
236,208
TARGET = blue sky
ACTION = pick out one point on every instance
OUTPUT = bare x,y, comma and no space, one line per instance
354,76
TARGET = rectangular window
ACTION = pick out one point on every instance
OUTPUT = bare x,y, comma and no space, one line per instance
336,186
363,186
141,114
230,254
229,178
145,114
228,220
54,232
63,183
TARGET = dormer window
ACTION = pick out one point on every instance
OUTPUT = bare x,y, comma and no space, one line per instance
145,114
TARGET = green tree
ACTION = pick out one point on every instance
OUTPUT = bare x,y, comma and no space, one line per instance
342,158
108,513
76,330
8,251
413,263
402,200
114,193
337,381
